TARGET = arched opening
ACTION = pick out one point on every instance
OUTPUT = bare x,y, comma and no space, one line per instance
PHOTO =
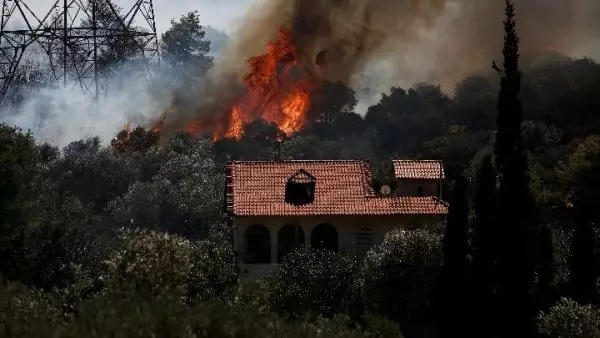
289,238
324,236
258,245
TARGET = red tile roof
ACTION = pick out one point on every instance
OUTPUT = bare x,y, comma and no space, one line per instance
418,169
257,188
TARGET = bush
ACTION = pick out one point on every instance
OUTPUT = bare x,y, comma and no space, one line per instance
151,263
26,312
160,264
319,282
215,271
253,293
30,313
398,278
141,318
568,319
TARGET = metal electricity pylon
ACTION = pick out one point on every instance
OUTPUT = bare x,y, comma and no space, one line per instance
81,40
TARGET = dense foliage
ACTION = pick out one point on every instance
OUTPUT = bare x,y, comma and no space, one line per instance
130,239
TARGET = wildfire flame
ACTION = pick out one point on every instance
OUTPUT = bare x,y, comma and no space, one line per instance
277,90
123,135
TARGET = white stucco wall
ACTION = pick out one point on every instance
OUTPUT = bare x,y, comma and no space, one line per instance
346,226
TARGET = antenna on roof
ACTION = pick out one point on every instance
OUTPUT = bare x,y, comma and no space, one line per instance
385,190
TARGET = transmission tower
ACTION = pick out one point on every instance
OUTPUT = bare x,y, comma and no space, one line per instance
78,38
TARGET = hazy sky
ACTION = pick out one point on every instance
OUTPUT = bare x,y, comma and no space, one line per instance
221,14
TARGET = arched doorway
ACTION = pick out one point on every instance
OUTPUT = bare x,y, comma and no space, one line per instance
258,245
324,236
289,238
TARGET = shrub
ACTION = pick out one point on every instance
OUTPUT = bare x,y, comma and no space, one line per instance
30,313
26,312
151,263
319,282
568,319
253,293
160,264
398,278
215,271
136,317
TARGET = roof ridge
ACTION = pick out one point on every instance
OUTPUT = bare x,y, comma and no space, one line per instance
441,201
294,161
367,178
434,198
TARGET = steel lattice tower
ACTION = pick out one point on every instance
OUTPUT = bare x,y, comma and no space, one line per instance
77,38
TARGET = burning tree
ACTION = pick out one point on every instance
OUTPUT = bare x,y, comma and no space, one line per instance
277,89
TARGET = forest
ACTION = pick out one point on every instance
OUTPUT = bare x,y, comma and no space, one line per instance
130,239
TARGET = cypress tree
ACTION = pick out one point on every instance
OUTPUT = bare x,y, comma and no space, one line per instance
453,280
485,249
515,263
546,268
582,263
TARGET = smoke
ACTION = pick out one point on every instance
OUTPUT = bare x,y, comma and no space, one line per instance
370,45
61,114
375,44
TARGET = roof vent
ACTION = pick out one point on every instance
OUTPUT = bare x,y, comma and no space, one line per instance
300,188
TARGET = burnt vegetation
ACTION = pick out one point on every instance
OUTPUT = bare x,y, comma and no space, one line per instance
130,239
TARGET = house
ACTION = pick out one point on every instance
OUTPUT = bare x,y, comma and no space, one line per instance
278,206
418,177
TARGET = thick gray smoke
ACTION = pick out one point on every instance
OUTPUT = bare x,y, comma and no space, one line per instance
381,43
368,44
59,115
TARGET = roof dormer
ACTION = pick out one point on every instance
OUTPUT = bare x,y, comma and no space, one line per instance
300,188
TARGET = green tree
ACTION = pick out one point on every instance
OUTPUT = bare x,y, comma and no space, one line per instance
583,263
18,167
515,200
116,48
475,100
485,248
405,119
138,139
546,267
184,49
331,114
452,284
156,264
399,278
580,178
568,319
95,175
313,282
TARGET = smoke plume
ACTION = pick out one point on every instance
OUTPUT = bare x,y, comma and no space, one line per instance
376,44
60,114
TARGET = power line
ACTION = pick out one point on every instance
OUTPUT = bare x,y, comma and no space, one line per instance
81,39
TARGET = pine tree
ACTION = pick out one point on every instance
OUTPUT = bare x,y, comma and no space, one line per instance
515,263
485,249
583,262
453,280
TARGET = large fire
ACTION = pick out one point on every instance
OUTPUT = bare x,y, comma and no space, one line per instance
277,90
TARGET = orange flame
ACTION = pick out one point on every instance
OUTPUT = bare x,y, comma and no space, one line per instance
125,132
127,126
277,90
158,125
